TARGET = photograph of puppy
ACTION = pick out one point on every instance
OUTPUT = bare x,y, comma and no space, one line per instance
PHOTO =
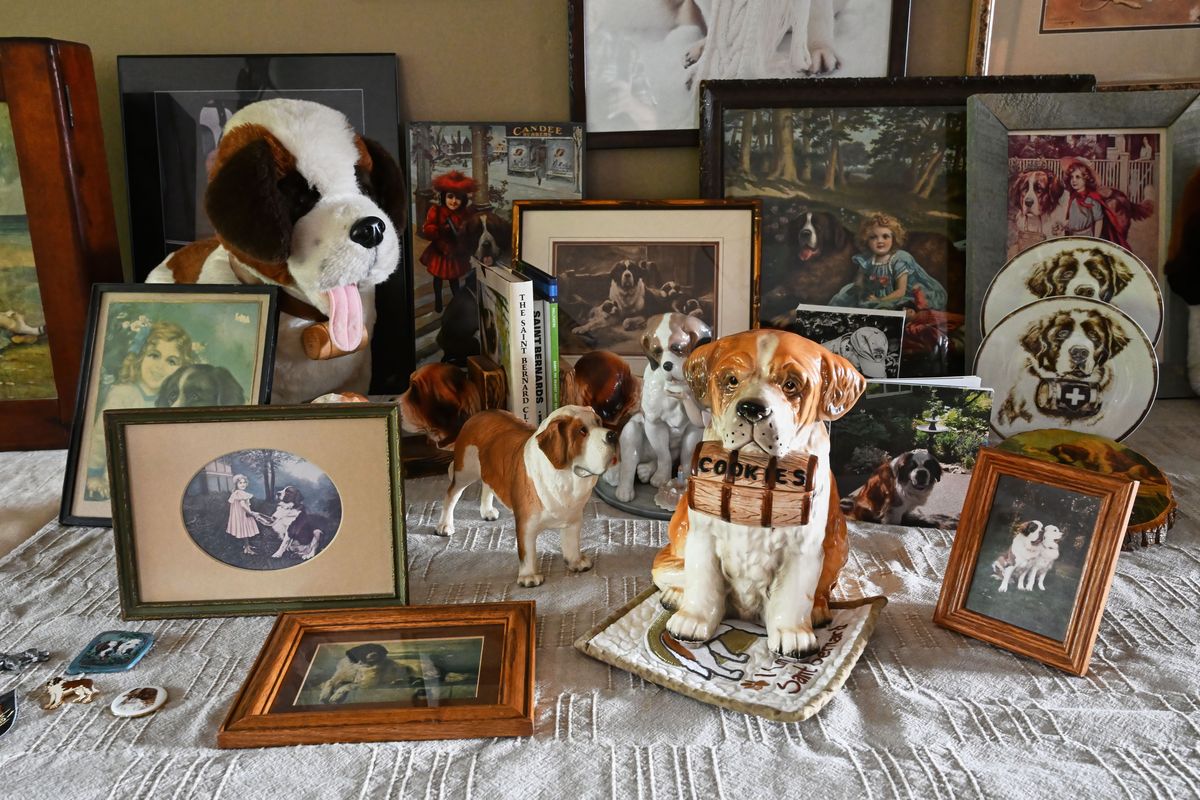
904,454
1105,184
261,509
609,290
1031,559
871,340
1067,362
1073,266
403,672
645,59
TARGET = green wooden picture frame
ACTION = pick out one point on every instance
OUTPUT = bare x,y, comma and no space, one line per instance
166,570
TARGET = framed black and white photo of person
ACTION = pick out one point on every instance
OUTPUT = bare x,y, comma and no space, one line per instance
162,346
1034,557
1120,42
863,185
174,110
1108,165
637,67
255,510
620,262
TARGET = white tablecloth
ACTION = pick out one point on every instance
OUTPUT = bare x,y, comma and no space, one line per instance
926,714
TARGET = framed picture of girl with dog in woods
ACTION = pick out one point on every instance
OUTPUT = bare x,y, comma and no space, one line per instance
1034,556
256,510
863,185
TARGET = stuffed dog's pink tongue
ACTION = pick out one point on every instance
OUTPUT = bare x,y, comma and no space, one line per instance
345,317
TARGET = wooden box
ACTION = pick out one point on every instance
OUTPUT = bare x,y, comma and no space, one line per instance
751,488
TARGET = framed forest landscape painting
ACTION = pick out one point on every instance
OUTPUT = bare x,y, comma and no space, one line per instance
637,66
57,234
863,185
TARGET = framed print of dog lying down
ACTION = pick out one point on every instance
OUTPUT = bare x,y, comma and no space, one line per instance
256,510
621,262
389,674
1034,557
1110,165
863,184
162,346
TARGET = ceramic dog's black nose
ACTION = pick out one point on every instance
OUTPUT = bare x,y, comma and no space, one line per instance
667,366
611,437
368,232
752,411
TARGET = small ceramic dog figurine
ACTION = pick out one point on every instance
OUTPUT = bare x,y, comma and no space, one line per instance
438,402
602,381
667,428
545,475
770,393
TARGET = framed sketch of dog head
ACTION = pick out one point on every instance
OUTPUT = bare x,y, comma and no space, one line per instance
863,184
389,674
162,346
1034,557
253,510
1110,165
637,67
620,263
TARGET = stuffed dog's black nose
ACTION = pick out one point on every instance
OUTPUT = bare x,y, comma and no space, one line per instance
368,232
752,411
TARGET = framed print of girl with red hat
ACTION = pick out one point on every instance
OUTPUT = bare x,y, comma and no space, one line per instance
444,223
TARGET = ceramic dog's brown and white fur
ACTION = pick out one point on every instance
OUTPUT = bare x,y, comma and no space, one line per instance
770,391
545,475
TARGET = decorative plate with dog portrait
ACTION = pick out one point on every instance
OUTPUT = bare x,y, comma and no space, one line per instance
1076,266
1068,362
261,509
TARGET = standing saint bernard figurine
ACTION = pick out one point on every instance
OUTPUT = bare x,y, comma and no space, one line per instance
759,534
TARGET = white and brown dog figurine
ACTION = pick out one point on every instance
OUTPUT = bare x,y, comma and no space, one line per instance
897,488
545,475
300,201
770,392
668,427
60,690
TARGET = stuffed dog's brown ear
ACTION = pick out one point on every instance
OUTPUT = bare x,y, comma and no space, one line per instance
696,371
384,182
841,386
244,201
555,442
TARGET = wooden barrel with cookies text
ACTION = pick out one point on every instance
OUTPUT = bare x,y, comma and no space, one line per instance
751,488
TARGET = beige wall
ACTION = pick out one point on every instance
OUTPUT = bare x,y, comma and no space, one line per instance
459,59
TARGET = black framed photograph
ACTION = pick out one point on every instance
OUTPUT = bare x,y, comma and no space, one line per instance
173,111
253,510
870,339
864,195
637,67
162,346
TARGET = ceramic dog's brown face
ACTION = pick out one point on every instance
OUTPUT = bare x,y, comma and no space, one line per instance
766,388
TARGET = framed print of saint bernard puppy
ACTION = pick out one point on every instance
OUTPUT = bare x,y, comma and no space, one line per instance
1079,364
1034,557
1077,266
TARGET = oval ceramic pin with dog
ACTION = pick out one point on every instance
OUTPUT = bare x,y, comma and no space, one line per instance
139,702
1076,266
1068,362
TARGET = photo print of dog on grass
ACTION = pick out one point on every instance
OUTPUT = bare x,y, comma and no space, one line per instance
261,509
1032,556
862,208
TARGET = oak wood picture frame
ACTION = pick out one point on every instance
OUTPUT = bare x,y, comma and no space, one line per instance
385,536
1115,495
50,89
897,65
251,721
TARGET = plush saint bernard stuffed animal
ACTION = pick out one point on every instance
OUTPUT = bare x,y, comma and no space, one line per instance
300,201
771,393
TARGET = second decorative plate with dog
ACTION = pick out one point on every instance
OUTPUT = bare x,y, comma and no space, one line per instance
1068,362
1076,266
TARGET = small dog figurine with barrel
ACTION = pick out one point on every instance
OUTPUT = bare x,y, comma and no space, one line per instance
759,533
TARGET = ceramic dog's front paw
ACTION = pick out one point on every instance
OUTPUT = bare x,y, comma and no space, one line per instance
691,627
581,564
795,642
624,493
644,471
490,514
659,478
671,598
531,580
445,529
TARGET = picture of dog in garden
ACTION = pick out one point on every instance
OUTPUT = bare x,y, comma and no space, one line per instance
1031,560
262,509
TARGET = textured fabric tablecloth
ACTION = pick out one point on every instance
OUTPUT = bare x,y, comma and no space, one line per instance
926,713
